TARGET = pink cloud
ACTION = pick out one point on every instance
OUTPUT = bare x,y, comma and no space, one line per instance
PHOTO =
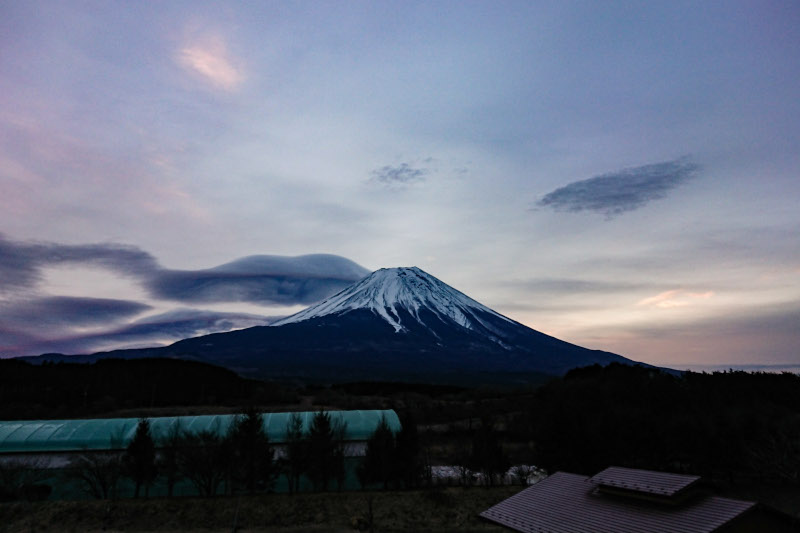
209,58
674,298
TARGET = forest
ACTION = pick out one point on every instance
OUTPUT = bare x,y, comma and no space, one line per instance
733,428
730,426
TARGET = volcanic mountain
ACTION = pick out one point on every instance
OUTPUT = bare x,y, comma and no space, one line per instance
395,324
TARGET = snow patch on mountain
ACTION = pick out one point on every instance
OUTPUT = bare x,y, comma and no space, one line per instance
387,290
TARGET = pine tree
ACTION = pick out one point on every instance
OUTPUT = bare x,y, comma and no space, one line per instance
339,449
252,461
408,462
296,452
321,451
168,461
140,458
378,465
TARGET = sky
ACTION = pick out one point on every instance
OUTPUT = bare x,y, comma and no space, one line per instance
621,175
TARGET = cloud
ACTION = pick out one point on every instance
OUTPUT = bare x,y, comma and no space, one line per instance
60,311
567,286
625,190
21,264
32,322
173,326
260,279
674,298
150,331
209,58
404,174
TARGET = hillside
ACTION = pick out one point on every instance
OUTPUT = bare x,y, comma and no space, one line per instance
396,324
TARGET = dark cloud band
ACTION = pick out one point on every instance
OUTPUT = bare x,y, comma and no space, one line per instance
55,311
21,262
260,279
403,174
625,190
31,322
150,331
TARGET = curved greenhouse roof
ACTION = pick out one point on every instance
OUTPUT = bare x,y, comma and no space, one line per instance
29,436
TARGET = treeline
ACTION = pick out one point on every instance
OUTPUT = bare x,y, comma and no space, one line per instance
73,390
239,460
728,425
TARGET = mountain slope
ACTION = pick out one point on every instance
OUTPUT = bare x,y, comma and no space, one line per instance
398,323
388,290
395,324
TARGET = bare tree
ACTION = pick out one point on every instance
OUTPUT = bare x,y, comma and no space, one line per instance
98,473
777,455
487,454
204,460
22,479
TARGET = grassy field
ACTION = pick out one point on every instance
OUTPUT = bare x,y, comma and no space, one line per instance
440,510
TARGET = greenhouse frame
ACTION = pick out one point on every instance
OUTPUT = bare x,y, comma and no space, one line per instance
52,445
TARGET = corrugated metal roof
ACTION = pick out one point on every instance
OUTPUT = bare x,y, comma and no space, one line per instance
647,481
569,503
29,436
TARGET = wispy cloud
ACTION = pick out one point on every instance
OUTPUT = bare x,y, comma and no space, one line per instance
157,330
60,311
209,58
625,190
32,322
674,298
260,279
166,328
22,262
567,286
403,174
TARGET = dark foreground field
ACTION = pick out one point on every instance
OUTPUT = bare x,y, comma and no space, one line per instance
451,509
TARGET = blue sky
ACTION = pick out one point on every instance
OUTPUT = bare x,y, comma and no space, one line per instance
622,175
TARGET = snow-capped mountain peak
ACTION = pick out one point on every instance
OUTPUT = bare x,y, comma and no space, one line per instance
388,290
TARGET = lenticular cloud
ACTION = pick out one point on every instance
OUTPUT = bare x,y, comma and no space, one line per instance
625,190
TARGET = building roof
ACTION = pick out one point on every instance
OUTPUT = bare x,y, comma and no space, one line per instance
30,436
570,503
646,481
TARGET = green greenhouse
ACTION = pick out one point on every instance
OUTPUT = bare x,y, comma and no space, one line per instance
52,445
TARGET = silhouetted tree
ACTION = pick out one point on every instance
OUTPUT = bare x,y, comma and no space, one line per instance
378,465
97,472
22,478
252,462
321,451
488,456
205,460
139,461
720,425
339,452
408,461
168,460
296,452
